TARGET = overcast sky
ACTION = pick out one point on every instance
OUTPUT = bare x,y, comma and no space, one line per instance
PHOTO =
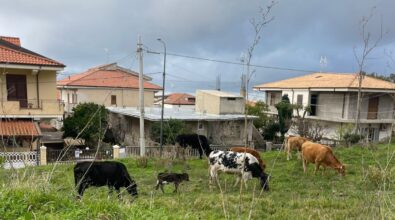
83,34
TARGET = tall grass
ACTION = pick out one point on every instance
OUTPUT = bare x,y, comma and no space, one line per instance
364,193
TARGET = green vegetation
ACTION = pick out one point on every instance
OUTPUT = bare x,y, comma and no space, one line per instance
84,114
171,129
285,110
366,192
259,109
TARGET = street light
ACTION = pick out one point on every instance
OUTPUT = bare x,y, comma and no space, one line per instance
163,96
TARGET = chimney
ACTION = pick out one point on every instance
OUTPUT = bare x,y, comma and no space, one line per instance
12,40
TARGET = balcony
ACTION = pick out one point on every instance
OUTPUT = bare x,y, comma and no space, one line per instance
32,107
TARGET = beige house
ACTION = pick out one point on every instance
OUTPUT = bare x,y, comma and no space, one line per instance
110,85
220,126
333,101
28,93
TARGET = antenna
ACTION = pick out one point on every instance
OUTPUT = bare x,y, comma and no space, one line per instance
218,83
323,63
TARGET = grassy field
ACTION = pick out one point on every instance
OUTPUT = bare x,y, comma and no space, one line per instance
366,192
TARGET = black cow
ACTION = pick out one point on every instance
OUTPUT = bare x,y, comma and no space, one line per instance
196,141
165,178
106,173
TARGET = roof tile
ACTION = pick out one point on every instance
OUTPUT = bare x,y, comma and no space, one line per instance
328,80
18,128
107,76
180,99
12,53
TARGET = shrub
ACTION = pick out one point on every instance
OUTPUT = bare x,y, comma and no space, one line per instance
270,130
171,129
378,177
351,138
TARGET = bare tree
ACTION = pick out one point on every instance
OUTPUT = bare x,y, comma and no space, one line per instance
368,45
264,18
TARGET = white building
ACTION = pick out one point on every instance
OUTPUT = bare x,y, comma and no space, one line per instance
219,116
333,101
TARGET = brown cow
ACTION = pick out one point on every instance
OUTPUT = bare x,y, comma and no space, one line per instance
320,155
251,151
293,143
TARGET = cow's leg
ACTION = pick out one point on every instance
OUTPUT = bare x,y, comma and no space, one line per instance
213,175
200,152
81,189
317,166
161,187
304,165
299,154
117,189
110,190
237,181
158,182
176,186
245,182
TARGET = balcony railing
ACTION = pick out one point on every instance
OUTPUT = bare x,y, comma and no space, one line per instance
32,106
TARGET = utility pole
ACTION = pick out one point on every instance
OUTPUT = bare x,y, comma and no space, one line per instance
163,96
141,96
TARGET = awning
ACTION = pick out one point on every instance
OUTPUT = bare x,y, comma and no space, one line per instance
19,128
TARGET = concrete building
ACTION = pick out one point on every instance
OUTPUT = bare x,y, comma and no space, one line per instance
333,101
28,94
218,102
108,85
221,127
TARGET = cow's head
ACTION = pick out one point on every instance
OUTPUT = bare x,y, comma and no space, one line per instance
264,180
341,170
132,189
185,176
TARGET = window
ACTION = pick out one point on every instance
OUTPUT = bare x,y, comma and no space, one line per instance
200,125
299,100
272,99
74,98
113,100
231,99
68,98
17,89
313,104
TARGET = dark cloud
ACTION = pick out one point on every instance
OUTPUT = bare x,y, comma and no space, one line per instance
78,33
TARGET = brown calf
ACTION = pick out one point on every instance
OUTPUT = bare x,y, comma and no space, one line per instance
294,143
251,151
320,155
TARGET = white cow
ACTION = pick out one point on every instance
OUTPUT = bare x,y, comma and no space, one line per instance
244,165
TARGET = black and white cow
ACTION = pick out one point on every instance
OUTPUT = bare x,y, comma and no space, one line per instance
196,141
244,165
166,178
106,173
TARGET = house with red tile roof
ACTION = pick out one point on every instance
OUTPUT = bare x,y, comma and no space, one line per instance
332,98
28,80
178,100
108,85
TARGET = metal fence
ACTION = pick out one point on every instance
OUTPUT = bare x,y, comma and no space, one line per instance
74,155
19,159
168,151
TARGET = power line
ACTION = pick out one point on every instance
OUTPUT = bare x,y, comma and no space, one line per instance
237,63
